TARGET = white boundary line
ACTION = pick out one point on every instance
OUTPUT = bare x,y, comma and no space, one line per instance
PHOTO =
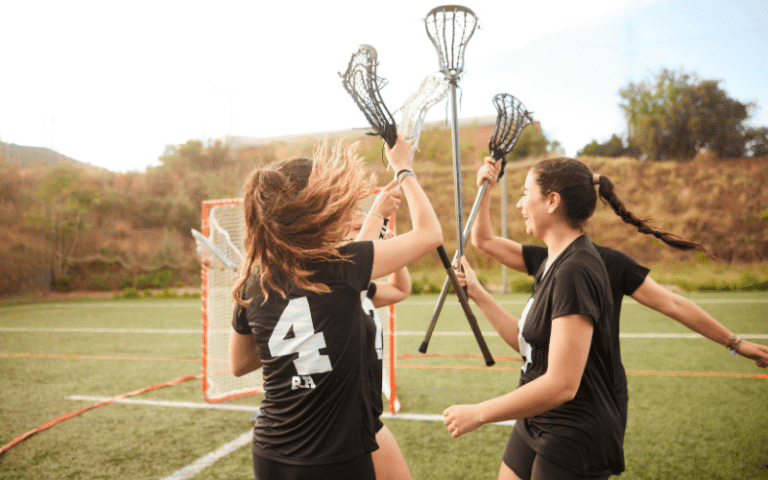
207,460
400,333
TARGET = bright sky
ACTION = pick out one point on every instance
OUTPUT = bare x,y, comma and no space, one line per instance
113,83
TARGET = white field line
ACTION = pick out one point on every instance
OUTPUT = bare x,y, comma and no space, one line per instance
126,304
201,463
403,333
626,301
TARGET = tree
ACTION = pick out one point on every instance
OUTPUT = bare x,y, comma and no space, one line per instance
532,142
614,147
60,209
679,114
757,142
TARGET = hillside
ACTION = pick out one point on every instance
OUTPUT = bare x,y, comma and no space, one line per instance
113,227
33,156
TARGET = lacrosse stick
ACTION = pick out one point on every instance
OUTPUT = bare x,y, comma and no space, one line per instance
361,71
202,242
450,27
512,117
362,83
432,90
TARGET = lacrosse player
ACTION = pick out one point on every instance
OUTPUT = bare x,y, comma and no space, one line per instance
569,423
299,310
627,277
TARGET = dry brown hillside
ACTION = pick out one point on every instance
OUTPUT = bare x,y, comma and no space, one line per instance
143,219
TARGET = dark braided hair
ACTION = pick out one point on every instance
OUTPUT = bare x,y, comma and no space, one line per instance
575,184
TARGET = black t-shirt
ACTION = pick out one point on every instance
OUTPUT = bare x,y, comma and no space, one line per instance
376,351
625,276
583,435
317,407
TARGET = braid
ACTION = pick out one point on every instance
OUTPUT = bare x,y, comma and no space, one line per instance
608,195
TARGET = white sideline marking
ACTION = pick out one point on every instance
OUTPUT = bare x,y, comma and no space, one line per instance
411,333
626,301
201,463
101,330
167,403
399,333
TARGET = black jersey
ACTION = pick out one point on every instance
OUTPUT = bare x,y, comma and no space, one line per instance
316,407
376,351
625,276
583,435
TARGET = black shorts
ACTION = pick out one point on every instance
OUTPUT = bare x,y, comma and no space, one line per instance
529,465
358,468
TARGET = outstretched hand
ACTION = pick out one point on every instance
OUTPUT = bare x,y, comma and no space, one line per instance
756,352
461,419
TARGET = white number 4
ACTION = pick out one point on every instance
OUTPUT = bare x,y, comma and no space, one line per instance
305,341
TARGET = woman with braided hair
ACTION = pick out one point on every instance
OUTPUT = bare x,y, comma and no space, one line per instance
627,277
299,310
578,434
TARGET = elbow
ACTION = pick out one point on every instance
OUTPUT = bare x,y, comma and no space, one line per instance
237,370
563,390
433,238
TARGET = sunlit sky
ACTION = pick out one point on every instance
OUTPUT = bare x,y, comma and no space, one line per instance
113,83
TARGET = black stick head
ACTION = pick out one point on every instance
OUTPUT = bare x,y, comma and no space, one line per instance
512,117
362,83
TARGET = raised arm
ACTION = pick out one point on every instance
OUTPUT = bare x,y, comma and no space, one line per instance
679,308
426,235
501,320
503,250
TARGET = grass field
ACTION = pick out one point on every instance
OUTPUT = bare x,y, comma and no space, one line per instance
695,412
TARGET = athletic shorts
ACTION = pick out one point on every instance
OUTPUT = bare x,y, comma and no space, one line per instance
528,465
358,468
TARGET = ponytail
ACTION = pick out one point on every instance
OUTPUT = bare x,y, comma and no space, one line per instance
608,196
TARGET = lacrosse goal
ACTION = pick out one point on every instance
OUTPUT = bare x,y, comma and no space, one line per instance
221,249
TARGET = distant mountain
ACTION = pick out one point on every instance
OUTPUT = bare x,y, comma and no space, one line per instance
33,156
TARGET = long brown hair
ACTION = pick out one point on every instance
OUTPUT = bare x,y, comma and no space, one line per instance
296,213
576,185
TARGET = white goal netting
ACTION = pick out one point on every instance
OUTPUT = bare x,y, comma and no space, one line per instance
221,251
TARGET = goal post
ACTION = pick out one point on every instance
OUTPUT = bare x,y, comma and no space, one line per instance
222,246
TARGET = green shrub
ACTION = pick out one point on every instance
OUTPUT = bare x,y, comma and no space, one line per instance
143,282
100,285
162,279
166,293
126,281
522,286
130,292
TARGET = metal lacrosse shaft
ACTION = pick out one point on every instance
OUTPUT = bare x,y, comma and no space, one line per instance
511,119
450,49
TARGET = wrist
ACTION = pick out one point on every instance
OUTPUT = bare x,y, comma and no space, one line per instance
377,214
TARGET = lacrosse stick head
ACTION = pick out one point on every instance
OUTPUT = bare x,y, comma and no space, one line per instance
512,117
449,28
432,90
364,85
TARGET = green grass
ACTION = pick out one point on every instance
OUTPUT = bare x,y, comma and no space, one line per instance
679,427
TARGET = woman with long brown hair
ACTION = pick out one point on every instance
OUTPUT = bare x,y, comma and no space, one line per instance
300,313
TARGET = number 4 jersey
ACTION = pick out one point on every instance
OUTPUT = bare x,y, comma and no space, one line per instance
316,409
